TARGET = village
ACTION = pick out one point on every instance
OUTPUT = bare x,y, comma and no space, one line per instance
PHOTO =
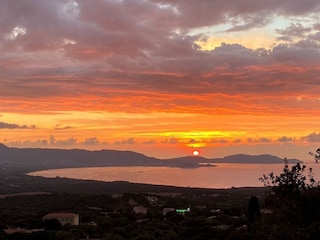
157,215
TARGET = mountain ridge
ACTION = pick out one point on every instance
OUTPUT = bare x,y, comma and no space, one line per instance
30,159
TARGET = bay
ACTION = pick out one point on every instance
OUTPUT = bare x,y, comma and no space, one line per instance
223,175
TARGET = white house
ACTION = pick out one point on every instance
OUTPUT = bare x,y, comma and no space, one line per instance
63,218
140,210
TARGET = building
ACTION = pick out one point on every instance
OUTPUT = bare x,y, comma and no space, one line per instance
165,211
140,210
63,218
182,211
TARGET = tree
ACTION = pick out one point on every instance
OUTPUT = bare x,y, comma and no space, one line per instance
291,182
253,209
316,155
295,200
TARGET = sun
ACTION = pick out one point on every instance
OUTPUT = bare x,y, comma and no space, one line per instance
195,153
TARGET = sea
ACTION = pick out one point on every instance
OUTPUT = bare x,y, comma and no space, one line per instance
221,175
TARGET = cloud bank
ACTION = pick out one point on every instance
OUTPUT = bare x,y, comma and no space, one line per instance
105,49
210,58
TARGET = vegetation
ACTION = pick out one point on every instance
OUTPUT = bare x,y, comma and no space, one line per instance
294,199
215,214
287,207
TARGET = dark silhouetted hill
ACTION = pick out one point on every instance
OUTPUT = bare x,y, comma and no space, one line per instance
31,159
256,159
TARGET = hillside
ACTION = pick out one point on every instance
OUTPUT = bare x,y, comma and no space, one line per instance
256,159
31,159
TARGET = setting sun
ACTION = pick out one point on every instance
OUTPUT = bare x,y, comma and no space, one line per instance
195,153
245,83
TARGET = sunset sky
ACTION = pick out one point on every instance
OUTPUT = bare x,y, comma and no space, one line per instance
161,77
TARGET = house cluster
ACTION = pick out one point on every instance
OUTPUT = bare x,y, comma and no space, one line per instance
141,207
70,218
153,200
63,217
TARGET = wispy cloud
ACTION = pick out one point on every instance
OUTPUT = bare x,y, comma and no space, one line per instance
59,127
4,125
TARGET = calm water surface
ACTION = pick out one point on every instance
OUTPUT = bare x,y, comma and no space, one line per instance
222,176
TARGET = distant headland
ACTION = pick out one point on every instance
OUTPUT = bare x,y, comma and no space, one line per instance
33,159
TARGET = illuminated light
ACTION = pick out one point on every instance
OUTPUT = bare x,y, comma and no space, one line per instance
195,153
71,9
17,31
169,7
67,41
208,45
201,134
196,145
257,40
